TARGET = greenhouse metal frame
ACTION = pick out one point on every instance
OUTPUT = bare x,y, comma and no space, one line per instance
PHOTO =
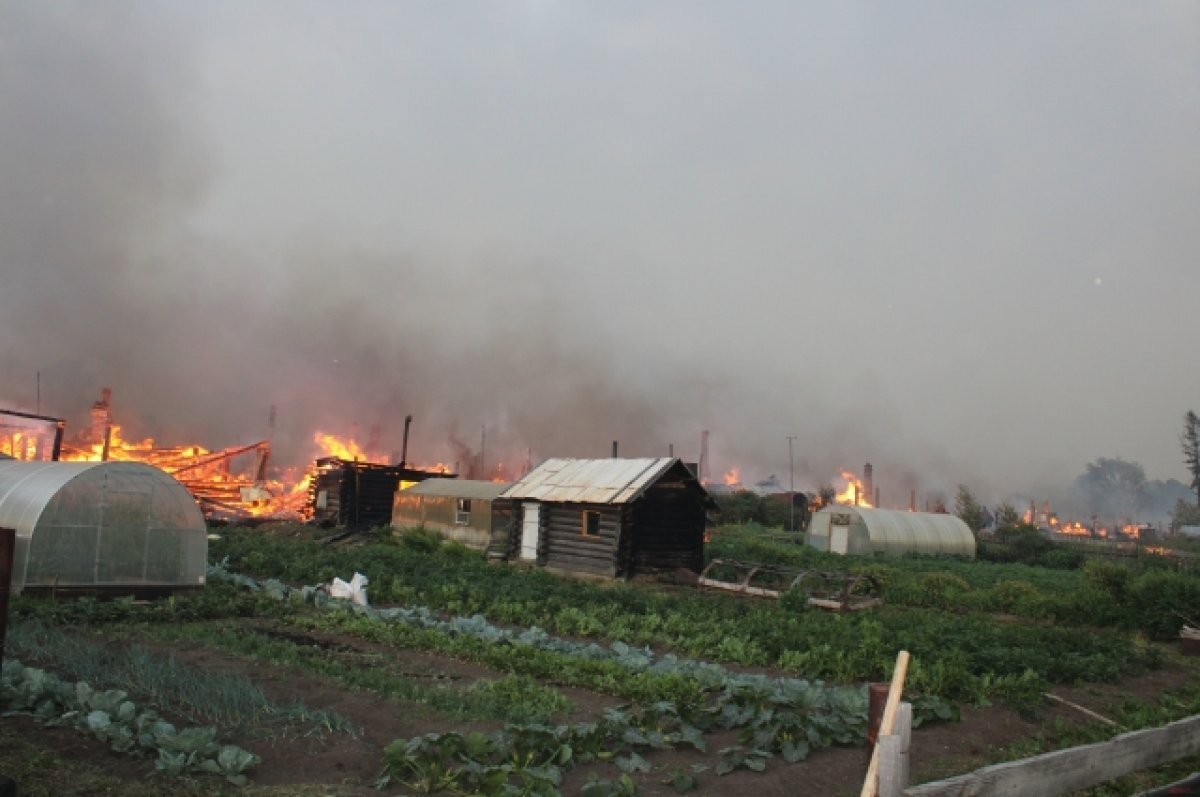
101,527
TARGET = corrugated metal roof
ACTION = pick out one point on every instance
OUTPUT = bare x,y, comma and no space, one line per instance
459,488
590,481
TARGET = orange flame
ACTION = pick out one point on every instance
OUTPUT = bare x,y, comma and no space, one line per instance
1074,528
20,445
733,477
852,492
332,445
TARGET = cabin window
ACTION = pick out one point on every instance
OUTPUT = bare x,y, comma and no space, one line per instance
591,523
462,514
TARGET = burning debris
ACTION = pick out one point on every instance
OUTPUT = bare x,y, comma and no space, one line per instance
231,484
1049,523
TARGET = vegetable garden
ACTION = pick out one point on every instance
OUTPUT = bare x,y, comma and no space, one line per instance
465,677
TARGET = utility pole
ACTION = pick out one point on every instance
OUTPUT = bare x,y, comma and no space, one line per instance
791,483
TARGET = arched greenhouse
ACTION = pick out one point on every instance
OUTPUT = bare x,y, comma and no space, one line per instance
863,530
111,527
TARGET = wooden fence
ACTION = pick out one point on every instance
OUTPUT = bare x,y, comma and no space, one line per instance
1059,772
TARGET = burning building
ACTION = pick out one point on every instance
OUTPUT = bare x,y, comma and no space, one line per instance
28,437
360,495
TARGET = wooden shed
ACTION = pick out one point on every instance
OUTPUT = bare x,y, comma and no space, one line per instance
610,517
464,510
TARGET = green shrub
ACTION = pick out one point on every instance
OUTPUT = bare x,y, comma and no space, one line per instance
1018,597
1060,558
420,539
942,590
1022,543
795,600
1159,600
1108,576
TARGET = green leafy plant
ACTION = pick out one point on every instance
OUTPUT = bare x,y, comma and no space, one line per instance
112,718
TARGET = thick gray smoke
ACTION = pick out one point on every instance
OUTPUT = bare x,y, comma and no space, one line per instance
97,167
103,286
532,248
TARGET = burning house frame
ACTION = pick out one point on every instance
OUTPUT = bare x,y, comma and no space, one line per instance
360,495
610,517
26,436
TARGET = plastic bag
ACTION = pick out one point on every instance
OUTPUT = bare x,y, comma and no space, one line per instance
356,590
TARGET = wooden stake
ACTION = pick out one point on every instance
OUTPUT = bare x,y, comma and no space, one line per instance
888,723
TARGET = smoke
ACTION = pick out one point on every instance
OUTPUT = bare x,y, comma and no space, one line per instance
107,282
98,165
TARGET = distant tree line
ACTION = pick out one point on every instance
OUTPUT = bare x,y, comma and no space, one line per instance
772,510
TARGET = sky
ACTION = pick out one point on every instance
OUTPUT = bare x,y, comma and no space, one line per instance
959,241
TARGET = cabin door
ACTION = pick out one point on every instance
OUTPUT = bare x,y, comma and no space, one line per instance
531,526
839,539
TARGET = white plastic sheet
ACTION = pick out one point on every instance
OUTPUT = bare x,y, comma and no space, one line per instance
355,590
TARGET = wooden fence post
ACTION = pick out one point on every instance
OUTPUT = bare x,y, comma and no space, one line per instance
888,723
893,754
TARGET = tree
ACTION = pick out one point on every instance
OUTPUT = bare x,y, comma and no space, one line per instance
741,507
1190,440
1113,488
968,509
1007,515
1185,515
1160,497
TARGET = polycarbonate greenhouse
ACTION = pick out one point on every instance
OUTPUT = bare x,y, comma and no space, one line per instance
863,530
116,527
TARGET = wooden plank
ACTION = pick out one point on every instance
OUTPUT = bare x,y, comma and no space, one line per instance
903,729
731,587
1076,768
891,765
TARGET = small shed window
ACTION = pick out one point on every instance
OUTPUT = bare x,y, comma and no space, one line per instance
462,515
591,523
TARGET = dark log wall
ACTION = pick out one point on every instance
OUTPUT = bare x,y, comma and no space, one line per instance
358,495
566,547
668,529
